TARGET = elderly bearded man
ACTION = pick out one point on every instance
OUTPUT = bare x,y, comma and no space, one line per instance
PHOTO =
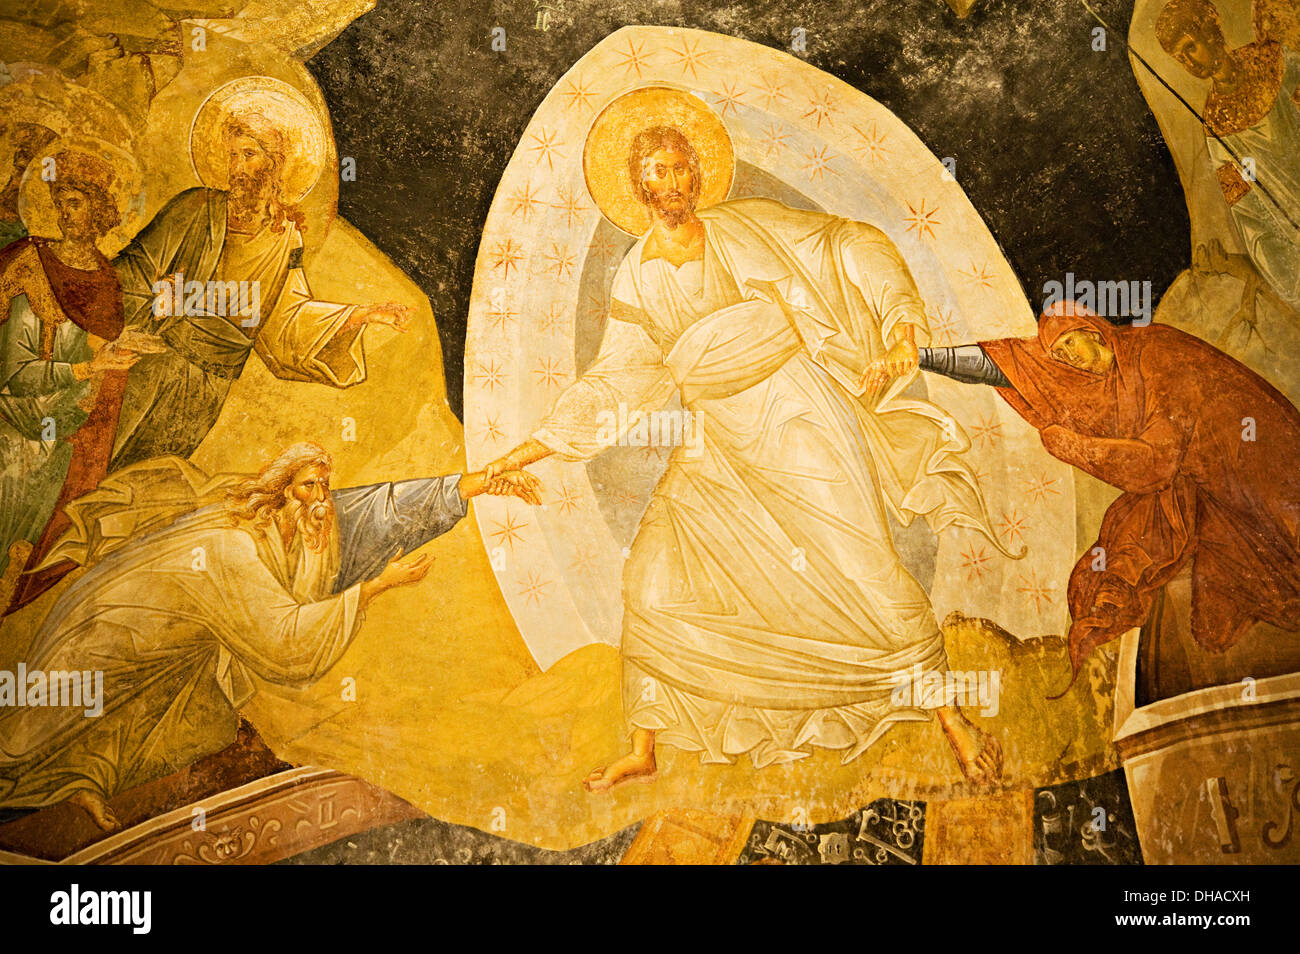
270,575
766,609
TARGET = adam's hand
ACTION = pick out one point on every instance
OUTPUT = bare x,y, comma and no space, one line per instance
508,482
399,573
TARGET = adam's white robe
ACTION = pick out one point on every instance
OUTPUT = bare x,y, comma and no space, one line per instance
176,622
765,606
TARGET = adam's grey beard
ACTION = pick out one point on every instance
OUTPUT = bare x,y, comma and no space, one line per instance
314,522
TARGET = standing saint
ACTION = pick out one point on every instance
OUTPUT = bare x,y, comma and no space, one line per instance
195,586
63,365
245,237
1252,110
766,609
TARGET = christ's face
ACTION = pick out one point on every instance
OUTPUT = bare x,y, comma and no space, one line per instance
1083,350
669,183
1200,50
249,165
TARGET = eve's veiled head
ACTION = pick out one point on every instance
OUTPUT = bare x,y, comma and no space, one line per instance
293,490
1077,336
1083,349
1192,33
665,172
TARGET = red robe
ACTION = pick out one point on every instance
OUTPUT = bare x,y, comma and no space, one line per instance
92,299
1170,425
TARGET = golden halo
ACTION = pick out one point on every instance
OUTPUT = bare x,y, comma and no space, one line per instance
123,185
604,158
288,110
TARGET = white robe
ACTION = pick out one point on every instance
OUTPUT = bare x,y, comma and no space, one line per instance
176,621
766,609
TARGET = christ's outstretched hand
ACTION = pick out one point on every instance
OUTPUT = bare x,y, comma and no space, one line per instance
508,483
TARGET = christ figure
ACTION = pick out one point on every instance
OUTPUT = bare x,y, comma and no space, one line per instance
766,609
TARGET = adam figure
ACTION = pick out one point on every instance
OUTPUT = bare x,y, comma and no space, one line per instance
270,576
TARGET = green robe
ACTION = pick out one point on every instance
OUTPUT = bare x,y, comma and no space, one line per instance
173,399
39,408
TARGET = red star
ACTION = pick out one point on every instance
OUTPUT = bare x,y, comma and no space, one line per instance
548,146
942,326
491,375
689,57
923,220
491,431
627,497
562,260
566,499
571,205
980,276
823,107
507,255
500,317
989,429
1040,487
728,98
549,372
634,59
553,320
1036,590
775,136
770,90
533,588
1014,526
819,163
872,146
579,94
583,560
525,201
508,532
974,563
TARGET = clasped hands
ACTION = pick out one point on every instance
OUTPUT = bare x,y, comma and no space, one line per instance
502,483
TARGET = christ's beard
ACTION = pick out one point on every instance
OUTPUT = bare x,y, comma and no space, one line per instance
672,216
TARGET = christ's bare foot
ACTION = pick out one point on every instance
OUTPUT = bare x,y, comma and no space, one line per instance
978,753
97,806
630,767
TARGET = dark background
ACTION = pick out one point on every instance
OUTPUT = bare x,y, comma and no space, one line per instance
1053,142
